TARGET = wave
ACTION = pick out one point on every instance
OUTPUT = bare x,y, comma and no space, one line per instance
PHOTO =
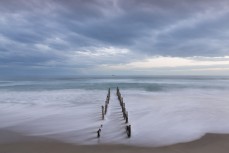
157,118
133,83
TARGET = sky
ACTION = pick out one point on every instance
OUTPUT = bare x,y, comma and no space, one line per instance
120,37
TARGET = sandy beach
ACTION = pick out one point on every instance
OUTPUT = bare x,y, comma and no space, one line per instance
114,76
17,143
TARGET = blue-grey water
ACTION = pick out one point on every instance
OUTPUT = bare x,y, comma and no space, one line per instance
162,109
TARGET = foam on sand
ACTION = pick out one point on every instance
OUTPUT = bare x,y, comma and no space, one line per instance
157,118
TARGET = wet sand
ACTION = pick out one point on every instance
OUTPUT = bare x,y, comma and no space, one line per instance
15,143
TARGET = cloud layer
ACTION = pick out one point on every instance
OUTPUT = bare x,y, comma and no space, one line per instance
76,35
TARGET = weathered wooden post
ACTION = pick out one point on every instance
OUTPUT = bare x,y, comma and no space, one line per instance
117,91
128,130
124,113
109,92
123,108
103,112
106,109
126,117
119,97
98,133
107,100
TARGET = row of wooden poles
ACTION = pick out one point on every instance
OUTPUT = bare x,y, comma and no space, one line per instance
104,110
125,112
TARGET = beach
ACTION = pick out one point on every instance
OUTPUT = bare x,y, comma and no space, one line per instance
17,143
165,114
114,76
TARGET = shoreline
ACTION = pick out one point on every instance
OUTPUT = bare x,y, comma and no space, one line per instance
11,142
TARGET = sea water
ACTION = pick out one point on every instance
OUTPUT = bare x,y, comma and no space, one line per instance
162,110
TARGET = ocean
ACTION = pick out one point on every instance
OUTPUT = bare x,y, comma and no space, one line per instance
162,110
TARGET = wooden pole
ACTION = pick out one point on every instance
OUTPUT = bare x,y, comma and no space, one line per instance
103,112
124,113
98,133
129,131
106,109
126,117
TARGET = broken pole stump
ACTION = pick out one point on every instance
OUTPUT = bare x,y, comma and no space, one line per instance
98,133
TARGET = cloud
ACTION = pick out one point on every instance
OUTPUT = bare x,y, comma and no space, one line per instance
162,62
90,33
160,65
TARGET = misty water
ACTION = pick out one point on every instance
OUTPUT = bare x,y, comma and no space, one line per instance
162,110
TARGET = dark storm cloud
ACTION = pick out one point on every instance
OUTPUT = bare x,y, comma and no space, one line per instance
33,32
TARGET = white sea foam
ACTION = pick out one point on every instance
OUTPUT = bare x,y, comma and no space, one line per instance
179,116
157,118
